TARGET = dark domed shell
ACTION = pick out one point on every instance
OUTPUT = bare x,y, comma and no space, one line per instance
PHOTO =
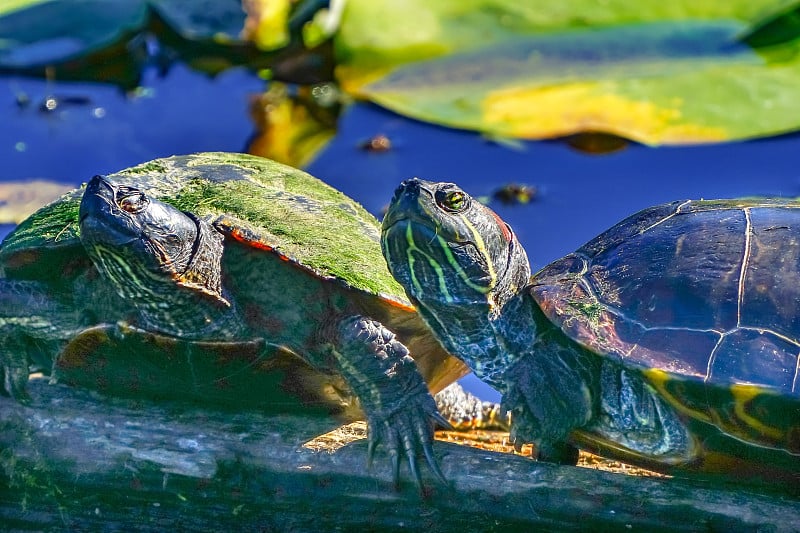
700,290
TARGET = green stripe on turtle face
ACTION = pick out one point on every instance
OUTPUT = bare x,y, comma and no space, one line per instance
412,248
453,262
130,278
436,269
481,247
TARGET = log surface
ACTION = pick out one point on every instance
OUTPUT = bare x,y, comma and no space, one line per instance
73,459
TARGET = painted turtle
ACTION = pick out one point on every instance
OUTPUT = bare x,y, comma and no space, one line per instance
199,276
669,341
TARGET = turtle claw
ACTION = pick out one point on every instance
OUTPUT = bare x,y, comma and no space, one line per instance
404,433
411,453
442,422
433,464
395,469
412,465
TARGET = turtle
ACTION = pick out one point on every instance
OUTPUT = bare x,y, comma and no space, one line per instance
670,341
198,277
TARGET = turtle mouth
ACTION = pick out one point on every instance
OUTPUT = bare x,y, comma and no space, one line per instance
99,217
390,224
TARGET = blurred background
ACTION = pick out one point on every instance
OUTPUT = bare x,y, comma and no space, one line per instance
564,116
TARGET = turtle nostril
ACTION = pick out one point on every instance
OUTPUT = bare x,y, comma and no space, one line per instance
409,186
412,184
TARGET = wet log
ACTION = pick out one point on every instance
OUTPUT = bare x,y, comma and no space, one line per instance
73,459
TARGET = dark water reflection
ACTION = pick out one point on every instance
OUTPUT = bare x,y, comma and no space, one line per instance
581,194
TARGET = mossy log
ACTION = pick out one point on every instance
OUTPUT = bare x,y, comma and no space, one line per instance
76,460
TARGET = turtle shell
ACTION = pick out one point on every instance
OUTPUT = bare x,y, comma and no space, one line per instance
703,299
271,214
267,204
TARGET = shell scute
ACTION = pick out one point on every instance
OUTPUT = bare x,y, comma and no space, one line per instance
756,356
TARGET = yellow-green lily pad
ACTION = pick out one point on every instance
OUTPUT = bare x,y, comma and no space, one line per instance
684,79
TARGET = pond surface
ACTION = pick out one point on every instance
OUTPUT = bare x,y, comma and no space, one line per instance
98,129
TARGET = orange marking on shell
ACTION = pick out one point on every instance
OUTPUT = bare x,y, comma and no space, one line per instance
391,300
242,237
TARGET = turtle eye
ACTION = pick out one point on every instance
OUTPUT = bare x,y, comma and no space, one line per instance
453,200
132,201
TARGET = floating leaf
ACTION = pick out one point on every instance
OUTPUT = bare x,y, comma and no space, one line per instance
18,199
291,127
267,23
203,20
677,81
39,32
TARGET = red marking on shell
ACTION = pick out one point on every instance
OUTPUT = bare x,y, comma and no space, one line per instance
251,240
241,237
503,226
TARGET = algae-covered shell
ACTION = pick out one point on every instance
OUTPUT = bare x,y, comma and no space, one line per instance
277,206
292,243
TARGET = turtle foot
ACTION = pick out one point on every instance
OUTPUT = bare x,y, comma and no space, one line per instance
400,410
561,453
14,377
405,433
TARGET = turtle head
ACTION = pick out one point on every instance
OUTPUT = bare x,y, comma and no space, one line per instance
145,247
445,247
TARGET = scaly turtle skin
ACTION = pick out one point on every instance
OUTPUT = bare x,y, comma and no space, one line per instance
200,276
670,341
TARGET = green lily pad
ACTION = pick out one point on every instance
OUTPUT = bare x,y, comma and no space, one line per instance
218,20
37,32
40,32
682,79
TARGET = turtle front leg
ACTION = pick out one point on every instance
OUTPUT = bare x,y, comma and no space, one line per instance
27,332
549,393
400,410
14,363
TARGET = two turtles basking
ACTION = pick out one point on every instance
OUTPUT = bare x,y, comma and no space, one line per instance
670,341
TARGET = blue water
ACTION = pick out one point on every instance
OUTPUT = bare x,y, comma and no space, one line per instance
580,195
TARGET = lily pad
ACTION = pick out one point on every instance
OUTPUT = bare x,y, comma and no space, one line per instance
680,80
219,20
19,199
39,32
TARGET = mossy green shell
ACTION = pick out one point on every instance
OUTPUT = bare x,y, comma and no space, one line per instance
268,205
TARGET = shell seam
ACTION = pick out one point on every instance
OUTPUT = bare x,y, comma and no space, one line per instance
748,233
